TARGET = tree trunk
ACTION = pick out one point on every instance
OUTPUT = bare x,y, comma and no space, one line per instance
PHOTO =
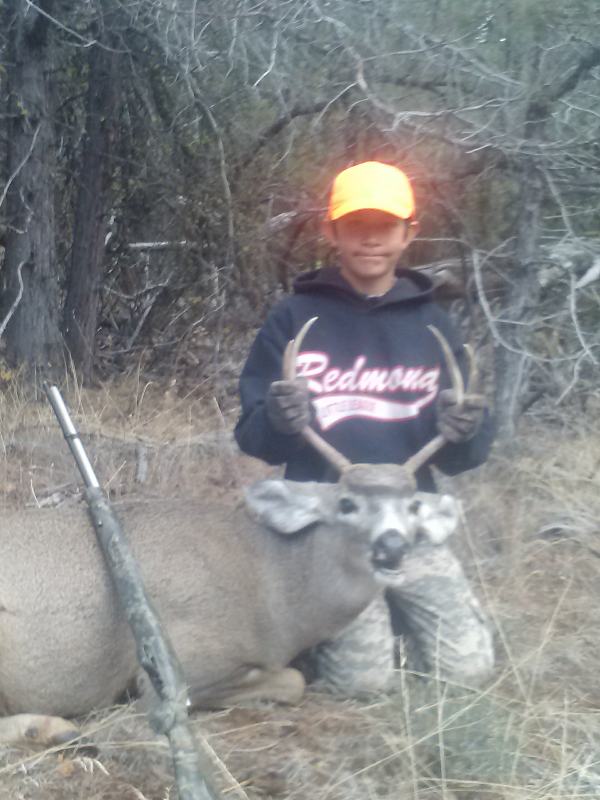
32,334
92,210
512,364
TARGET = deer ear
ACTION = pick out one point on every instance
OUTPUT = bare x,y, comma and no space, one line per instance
285,506
438,516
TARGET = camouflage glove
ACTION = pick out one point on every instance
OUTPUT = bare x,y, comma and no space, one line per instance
459,422
288,406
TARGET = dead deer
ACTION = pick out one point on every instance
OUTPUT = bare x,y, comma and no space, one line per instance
241,591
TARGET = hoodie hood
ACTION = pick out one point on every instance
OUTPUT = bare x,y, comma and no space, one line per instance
410,287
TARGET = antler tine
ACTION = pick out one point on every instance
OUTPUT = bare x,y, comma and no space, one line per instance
290,356
473,384
455,373
426,452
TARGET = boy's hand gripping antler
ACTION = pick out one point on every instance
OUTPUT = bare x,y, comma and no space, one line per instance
459,410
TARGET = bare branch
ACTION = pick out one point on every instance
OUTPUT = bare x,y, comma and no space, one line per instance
16,301
21,165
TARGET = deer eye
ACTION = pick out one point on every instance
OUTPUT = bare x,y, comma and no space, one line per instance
347,506
414,506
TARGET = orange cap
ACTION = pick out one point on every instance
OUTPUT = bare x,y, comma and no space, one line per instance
371,185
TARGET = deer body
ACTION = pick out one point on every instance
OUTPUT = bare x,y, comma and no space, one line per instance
241,592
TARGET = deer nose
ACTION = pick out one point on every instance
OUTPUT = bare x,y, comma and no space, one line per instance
389,550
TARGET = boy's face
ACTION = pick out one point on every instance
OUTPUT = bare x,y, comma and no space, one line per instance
370,243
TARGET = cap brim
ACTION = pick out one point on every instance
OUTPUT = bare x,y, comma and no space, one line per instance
395,209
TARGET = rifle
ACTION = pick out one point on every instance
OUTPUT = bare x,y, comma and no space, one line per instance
154,650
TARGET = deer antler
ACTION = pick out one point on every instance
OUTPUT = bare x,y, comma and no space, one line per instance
473,384
455,374
431,448
289,373
425,453
291,351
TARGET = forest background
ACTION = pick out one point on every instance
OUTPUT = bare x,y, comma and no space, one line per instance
164,169
166,166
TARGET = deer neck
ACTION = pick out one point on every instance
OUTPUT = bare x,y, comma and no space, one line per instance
319,582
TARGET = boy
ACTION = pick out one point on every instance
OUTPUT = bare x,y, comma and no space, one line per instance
371,381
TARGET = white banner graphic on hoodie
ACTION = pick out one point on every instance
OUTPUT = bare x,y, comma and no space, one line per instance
336,408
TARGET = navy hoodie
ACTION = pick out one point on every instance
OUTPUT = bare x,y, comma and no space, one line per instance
374,371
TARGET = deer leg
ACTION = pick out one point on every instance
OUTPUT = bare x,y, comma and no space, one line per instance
285,686
37,730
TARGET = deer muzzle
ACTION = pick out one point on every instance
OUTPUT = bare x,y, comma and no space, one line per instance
388,550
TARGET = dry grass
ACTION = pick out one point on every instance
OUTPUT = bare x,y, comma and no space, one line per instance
142,439
530,540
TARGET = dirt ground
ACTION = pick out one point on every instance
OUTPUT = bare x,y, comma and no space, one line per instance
530,541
